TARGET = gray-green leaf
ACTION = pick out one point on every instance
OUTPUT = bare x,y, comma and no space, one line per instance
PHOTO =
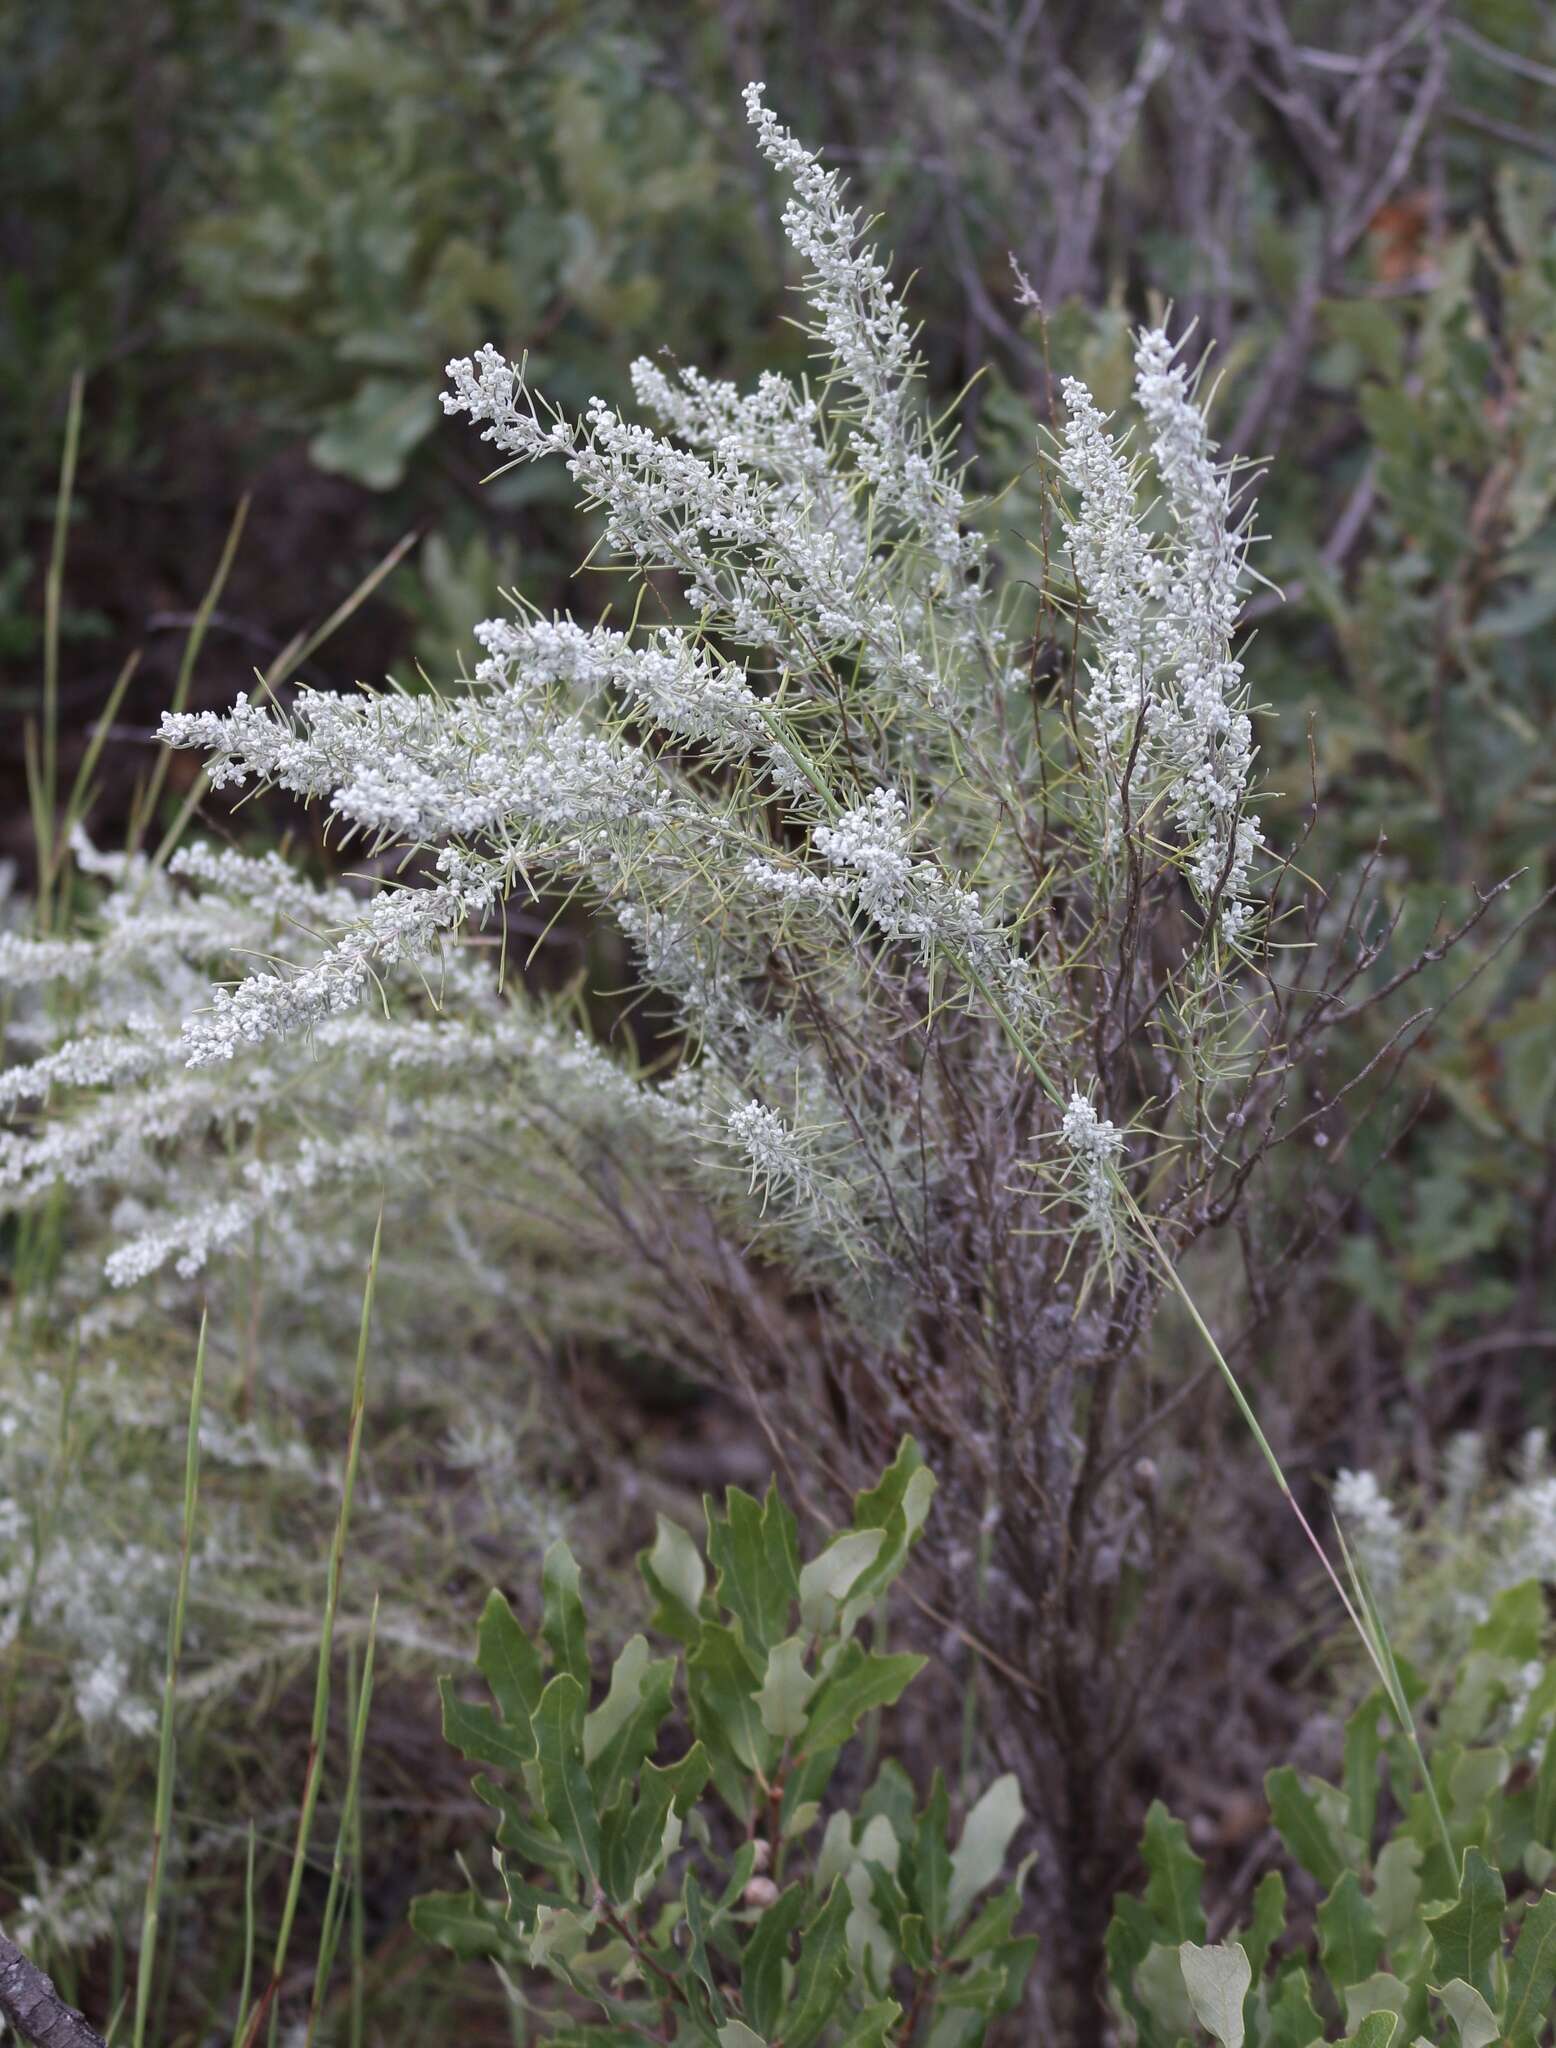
563,1626
1467,1934
1302,1826
859,1681
1532,1978
1348,1937
619,1704
1476,2022
979,1856
565,1788
508,1661
675,1574
786,1688
1176,1876
828,1579
1217,1981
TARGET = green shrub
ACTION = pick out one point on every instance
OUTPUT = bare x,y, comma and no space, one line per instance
1432,1923
702,1899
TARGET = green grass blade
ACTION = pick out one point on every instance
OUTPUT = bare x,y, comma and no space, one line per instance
345,1871
53,600
321,1693
151,796
145,1967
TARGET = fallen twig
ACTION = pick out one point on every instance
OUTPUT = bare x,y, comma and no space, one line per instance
35,2009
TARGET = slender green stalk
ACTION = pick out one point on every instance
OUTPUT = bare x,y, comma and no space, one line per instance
1382,1651
80,797
321,1691
53,600
246,1987
358,1913
1362,1611
295,652
146,805
1245,1409
345,1871
42,1530
145,1968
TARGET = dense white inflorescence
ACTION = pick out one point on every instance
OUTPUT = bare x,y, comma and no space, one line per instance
1096,1147
1375,1530
1167,702
1438,1561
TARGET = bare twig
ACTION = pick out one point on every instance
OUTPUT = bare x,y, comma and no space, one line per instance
35,2009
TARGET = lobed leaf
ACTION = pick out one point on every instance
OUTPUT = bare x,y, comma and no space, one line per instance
979,1856
565,1789
563,1625
1217,1981
859,1681
1172,1892
1467,1934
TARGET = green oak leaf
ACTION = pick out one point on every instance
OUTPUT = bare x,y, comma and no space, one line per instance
1217,1981
1467,1934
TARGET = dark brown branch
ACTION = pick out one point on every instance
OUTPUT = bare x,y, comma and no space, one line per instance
35,2009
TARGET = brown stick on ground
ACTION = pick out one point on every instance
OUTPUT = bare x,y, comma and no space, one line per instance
35,2009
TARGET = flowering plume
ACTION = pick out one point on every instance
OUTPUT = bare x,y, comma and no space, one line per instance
1166,703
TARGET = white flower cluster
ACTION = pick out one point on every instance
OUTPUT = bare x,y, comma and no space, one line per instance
1373,1527
400,925
66,1912
764,563
1478,1535
359,1104
754,512
869,852
795,1168
417,768
1096,1145
1527,1534
1167,701
489,390
675,683
1464,1472
776,1160
867,336
772,430
104,1597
